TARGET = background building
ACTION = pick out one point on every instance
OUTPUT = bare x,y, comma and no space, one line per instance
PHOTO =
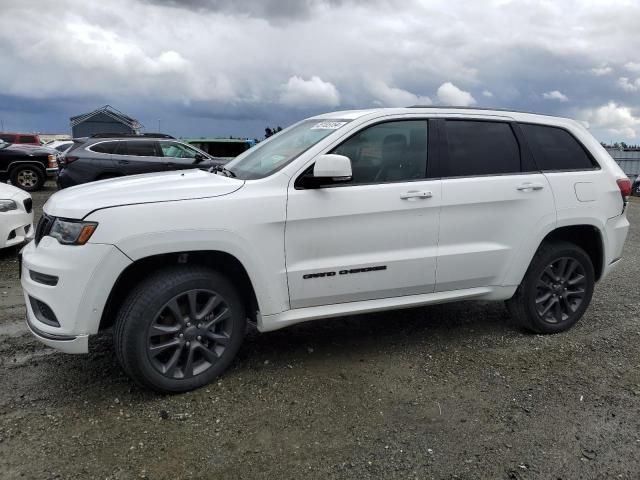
629,161
103,120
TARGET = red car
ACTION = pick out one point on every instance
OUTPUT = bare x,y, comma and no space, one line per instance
21,138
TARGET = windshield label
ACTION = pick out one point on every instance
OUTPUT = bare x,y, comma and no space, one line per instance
328,125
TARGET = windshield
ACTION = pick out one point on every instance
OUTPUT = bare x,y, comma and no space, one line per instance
277,152
4,144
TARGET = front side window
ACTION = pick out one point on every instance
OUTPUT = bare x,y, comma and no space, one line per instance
177,150
555,149
278,151
387,152
480,148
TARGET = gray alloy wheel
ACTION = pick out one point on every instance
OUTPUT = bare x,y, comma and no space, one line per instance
189,334
180,328
556,289
561,289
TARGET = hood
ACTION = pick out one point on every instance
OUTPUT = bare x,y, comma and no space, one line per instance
77,202
9,192
31,150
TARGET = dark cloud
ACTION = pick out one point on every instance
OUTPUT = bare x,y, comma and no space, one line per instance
276,10
208,67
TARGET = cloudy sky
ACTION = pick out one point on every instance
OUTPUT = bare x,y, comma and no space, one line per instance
231,67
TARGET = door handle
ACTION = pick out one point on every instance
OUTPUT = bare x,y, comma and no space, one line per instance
529,187
123,162
415,194
170,164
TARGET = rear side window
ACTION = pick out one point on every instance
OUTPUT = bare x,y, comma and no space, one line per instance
27,139
139,148
556,149
104,147
480,148
8,138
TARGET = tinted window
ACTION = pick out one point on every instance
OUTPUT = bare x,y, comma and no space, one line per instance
480,148
140,148
104,147
27,139
8,138
387,152
555,148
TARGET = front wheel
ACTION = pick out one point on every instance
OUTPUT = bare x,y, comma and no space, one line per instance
556,289
180,329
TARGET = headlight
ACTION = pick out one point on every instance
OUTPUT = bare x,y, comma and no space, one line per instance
6,205
72,232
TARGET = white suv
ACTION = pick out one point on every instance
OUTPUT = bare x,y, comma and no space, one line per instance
344,213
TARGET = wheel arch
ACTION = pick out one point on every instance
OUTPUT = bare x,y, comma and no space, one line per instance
21,163
220,261
588,237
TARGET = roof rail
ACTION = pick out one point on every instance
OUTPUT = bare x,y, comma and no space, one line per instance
131,135
485,109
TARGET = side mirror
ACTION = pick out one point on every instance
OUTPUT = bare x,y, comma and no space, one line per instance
199,158
332,168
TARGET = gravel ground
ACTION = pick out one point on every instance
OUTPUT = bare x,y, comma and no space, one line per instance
444,392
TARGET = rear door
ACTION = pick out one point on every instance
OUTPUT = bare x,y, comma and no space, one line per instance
138,156
493,202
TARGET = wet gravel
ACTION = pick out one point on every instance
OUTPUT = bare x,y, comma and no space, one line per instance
444,392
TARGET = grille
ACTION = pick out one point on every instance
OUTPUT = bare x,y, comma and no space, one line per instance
44,227
28,205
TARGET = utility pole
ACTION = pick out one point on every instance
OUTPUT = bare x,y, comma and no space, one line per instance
159,126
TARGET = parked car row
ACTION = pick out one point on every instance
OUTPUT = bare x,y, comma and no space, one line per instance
105,156
27,166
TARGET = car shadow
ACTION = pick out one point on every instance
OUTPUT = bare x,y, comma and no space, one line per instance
360,335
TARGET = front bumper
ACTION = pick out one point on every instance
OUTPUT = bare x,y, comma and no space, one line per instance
66,344
52,172
84,277
16,226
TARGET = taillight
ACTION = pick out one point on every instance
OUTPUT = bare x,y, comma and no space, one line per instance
67,159
624,184
52,161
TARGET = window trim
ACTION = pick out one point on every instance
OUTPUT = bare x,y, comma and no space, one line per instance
297,184
525,157
595,165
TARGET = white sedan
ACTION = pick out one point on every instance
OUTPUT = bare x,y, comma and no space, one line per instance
16,216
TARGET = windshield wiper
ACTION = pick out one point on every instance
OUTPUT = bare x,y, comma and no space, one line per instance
223,170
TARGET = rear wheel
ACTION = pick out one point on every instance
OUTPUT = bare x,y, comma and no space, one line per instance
180,329
556,289
27,177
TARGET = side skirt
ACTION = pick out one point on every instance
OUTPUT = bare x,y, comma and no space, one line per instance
267,323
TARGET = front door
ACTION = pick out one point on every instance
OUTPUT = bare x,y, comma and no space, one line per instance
372,237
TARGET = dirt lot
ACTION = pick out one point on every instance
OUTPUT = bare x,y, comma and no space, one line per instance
449,391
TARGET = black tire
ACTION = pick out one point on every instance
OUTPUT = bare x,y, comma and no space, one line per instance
150,308
545,301
27,177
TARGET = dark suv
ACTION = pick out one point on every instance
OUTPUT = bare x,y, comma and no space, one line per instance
104,156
